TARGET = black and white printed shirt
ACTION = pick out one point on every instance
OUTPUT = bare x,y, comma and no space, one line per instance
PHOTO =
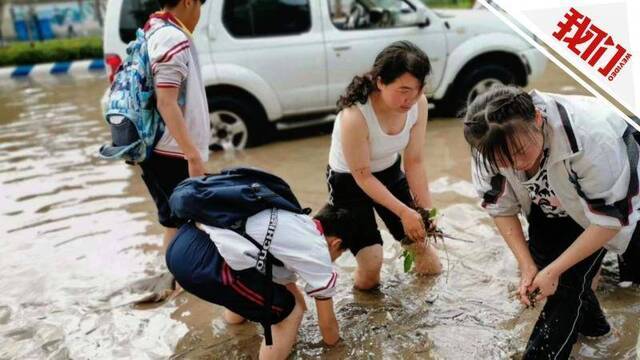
540,191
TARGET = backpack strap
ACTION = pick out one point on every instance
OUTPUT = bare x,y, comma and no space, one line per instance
266,245
166,23
264,265
241,230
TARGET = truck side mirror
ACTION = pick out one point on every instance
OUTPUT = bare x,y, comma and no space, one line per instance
422,18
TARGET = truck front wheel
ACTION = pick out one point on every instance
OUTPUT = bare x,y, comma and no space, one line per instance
474,83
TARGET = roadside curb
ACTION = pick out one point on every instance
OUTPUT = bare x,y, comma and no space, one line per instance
53,69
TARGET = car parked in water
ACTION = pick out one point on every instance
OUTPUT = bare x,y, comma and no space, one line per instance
279,64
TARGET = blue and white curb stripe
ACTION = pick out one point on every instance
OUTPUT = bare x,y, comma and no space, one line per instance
52,69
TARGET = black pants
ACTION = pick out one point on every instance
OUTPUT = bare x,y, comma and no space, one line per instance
199,268
629,262
161,175
574,307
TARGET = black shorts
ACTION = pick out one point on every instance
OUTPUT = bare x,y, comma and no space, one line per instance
344,192
161,175
199,268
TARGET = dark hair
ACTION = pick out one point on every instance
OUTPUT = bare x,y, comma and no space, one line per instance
337,222
391,63
493,121
173,3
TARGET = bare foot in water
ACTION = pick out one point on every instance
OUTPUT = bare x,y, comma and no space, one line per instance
426,261
177,291
232,318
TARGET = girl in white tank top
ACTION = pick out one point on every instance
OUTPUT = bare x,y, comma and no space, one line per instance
384,148
383,116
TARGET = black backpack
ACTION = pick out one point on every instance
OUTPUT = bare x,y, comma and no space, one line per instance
227,199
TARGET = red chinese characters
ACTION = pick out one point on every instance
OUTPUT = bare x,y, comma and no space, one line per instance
591,43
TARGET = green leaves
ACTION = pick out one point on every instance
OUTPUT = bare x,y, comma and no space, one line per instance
409,255
22,53
409,259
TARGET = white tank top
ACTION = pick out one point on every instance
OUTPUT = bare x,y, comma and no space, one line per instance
383,148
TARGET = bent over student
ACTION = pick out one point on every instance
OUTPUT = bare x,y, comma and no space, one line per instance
569,164
218,265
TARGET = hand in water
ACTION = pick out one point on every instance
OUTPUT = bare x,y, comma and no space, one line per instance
413,225
527,274
546,281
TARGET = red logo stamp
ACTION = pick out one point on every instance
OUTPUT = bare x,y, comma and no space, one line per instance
592,43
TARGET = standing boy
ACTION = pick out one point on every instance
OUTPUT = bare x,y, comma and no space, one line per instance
181,101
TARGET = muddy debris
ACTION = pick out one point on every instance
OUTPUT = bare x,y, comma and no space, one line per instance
532,295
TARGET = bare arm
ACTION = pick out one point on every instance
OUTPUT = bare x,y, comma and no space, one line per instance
592,239
167,102
511,230
327,321
414,159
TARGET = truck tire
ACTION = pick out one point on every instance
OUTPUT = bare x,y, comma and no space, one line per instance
469,85
237,123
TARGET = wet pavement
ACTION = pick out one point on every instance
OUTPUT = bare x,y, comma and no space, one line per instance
79,231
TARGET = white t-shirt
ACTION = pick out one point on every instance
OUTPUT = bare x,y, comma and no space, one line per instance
297,242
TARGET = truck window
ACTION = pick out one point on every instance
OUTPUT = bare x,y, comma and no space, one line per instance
371,14
134,15
260,18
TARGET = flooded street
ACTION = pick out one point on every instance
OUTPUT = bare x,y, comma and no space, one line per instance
78,231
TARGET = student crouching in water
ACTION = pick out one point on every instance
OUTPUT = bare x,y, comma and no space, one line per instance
383,114
569,164
218,266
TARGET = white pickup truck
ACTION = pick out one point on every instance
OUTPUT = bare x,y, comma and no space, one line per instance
279,64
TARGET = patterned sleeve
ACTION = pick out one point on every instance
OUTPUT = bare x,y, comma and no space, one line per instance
495,192
168,52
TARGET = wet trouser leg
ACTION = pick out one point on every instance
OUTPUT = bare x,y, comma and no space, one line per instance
629,261
574,307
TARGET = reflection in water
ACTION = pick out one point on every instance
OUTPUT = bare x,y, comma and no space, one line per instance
74,227
80,231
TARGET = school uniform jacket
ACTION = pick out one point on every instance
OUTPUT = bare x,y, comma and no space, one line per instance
593,168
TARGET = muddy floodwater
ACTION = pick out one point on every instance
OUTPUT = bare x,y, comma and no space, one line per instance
78,231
